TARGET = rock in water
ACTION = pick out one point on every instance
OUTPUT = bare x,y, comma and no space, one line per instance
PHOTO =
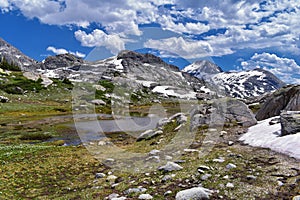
290,122
196,193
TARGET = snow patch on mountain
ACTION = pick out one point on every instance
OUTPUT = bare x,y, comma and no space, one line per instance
247,83
169,91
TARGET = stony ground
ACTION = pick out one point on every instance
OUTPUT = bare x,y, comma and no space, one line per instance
35,164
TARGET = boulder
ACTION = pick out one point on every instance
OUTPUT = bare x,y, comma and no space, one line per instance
287,98
290,122
3,99
196,193
227,110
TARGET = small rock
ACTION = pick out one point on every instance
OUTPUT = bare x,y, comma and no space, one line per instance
111,178
205,177
178,127
219,160
230,143
100,175
98,102
167,193
149,134
230,166
145,196
166,178
203,167
226,177
114,185
113,195
222,133
179,117
135,190
163,122
229,185
154,152
191,150
196,193
251,177
99,87
103,143
280,183
170,166
119,198
153,158
110,160
168,157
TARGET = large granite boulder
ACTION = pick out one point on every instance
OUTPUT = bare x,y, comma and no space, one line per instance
223,111
287,98
290,122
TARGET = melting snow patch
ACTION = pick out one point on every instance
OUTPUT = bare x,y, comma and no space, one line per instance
267,136
169,91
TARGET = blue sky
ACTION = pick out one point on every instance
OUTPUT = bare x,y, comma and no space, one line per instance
235,34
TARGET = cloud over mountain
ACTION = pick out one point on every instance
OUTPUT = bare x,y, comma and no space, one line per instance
287,69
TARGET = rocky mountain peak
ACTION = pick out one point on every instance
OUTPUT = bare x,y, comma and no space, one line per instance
201,68
131,59
138,57
15,56
61,61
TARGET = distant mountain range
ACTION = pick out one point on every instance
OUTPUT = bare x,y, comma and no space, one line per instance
240,84
201,79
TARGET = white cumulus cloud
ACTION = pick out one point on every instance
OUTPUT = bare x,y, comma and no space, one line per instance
99,38
251,24
188,49
285,68
59,51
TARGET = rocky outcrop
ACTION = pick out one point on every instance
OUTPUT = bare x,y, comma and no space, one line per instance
290,122
287,98
61,61
222,111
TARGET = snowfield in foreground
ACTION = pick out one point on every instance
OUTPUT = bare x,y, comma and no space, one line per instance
267,136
